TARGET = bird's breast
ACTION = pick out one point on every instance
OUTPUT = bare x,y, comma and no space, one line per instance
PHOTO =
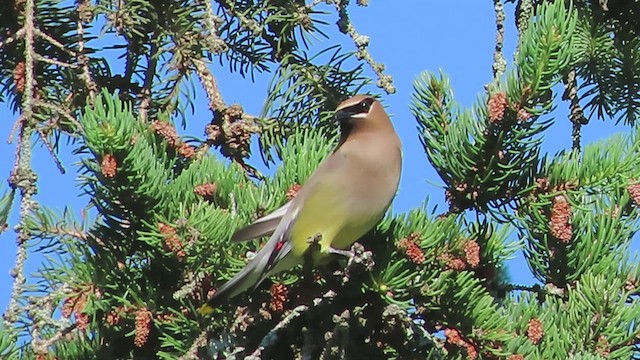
345,203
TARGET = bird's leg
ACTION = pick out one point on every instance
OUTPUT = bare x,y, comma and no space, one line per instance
314,242
341,252
314,246
356,250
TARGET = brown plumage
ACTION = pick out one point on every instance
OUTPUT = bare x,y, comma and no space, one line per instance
344,198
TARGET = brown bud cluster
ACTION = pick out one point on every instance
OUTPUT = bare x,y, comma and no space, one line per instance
496,107
231,132
293,191
75,305
542,185
142,327
214,134
472,253
109,166
19,77
603,348
560,223
631,284
634,192
206,190
452,262
168,132
535,331
239,140
46,357
112,318
165,317
82,321
186,150
172,241
454,337
278,297
456,264
409,245
523,115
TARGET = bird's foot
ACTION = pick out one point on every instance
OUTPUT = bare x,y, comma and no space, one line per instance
359,259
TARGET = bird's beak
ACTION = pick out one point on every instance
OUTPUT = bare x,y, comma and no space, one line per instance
343,115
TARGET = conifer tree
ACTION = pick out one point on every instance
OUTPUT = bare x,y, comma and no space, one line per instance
125,280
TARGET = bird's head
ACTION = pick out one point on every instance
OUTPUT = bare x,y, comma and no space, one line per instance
357,107
361,112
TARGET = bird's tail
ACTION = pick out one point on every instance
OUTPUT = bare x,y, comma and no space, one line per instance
250,276
274,257
270,260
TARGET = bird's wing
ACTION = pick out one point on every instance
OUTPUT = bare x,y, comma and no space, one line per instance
267,259
308,214
279,245
264,226
273,256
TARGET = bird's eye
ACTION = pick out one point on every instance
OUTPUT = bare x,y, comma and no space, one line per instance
365,105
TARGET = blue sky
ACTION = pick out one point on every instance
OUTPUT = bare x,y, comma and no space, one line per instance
408,37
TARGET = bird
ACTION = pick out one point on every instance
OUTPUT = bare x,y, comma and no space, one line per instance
344,198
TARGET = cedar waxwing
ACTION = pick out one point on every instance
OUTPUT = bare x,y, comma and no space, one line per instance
343,199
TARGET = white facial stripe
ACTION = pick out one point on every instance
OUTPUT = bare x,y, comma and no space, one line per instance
359,116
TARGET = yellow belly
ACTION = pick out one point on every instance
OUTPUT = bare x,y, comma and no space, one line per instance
338,223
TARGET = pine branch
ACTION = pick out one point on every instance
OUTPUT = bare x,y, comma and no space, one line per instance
487,171
576,115
22,176
499,62
361,42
